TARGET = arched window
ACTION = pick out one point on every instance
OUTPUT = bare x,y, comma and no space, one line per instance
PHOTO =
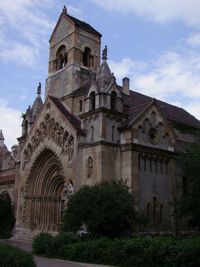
89,167
154,208
61,58
92,133
86,57
113,133
80,106
113,100
148,211
161,212
92,100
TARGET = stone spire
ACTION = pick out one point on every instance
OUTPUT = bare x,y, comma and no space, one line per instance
1,135
39,89
2,145
64,11
105,53
104,76
37,105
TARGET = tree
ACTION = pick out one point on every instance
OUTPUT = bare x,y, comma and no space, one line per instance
107,209
189,161
6,217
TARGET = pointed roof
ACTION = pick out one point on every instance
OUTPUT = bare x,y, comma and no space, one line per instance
104,76
1,135
137,102
3,147
37,104
78,23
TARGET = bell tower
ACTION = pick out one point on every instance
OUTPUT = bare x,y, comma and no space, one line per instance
74,55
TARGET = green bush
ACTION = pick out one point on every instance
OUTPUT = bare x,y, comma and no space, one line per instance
15,257
129,252
107,209
188,253
43,244
62,241
54,246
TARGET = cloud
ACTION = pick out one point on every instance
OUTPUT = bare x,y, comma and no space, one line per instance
20,53
172,75
10,123
194,40
157,10
25,28
74,11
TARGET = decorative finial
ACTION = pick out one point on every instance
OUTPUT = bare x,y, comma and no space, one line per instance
105,52
39,89
1,135
64,11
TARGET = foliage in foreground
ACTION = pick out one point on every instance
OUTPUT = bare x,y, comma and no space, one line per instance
107,209
137,252
6,217
189,160
15,257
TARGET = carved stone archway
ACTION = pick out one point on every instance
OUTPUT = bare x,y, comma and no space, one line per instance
44,194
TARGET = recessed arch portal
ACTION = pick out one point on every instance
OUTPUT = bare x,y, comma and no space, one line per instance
44,193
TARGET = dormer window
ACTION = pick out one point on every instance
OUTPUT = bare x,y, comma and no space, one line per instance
92,101
113,100
61,58
87,57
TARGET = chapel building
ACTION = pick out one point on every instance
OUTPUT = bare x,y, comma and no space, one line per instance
90,129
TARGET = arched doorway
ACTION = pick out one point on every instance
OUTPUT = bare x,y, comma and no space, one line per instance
44,194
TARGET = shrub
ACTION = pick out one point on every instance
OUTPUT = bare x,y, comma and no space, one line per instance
43,244
188,254
107,209
50,246
129,252
15,257
62,241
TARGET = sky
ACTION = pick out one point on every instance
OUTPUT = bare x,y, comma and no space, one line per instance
156,43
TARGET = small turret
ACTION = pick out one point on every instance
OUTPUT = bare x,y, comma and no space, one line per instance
32,112
2,139
104,76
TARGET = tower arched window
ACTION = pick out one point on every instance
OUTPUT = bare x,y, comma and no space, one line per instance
92,101
86,57
61,58
113,100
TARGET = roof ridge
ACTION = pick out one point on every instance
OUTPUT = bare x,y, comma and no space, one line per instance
142,104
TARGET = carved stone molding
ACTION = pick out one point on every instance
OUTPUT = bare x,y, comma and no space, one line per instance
53,131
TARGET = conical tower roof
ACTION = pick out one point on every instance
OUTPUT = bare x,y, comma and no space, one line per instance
37,104
1,135
104,75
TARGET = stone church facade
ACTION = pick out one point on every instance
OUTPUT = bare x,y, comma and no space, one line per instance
90,129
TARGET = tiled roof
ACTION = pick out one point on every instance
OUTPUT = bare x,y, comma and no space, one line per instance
85,26
70,117
136,102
